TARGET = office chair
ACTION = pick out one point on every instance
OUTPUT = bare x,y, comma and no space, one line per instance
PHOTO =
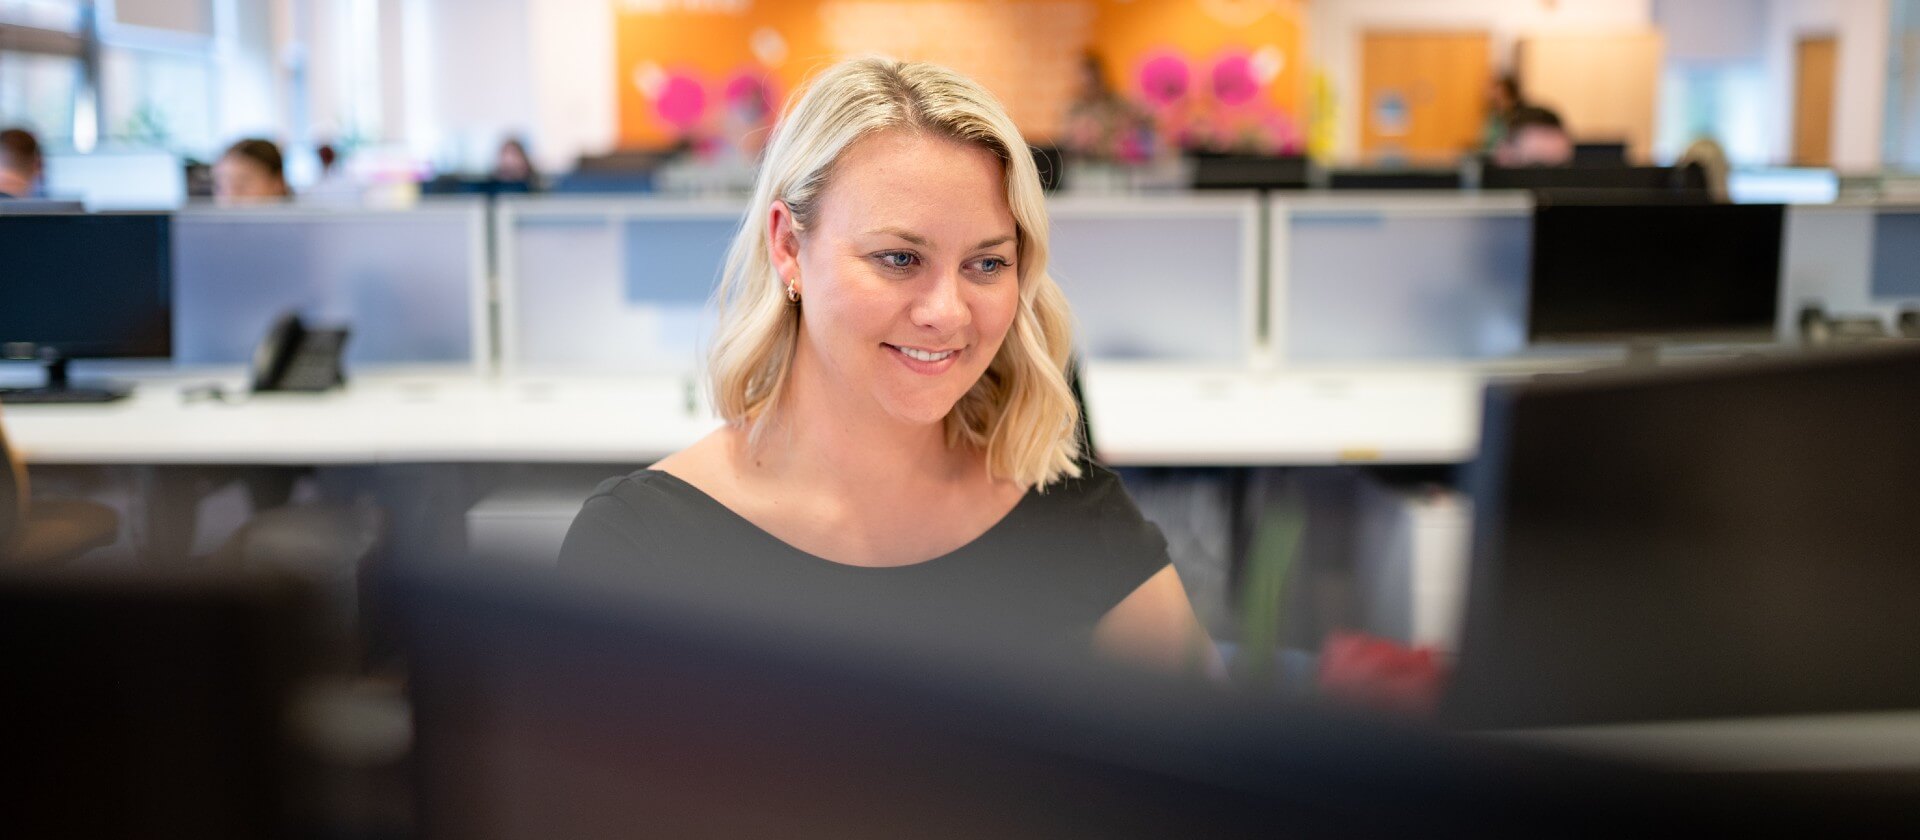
46,531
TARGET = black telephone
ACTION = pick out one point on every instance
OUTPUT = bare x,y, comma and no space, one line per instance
296,358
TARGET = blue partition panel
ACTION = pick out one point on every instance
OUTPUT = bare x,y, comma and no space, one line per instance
1401,283
610,285
1159,279
409,283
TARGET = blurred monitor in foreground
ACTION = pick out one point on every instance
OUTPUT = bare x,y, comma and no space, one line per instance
1718,541
1654,273
138,706
547,706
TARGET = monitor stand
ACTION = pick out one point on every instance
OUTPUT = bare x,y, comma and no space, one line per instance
57,389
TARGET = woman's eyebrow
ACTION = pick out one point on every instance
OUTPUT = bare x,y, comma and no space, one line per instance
924,242
903,233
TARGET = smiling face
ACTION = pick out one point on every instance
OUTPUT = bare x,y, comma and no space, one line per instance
906,273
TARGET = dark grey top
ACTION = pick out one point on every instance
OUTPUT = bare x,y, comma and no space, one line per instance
1045,572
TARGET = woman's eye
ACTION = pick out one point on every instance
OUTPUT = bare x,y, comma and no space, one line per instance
896,259
992,265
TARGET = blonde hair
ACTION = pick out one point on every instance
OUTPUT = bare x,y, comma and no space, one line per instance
1022,412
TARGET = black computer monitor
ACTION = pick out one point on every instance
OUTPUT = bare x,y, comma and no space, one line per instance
1719,540
1218,171
82,286
553,707
1654,273
155,705
1585,177
1394,179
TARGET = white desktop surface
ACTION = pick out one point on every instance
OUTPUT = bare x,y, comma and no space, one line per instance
1141,415
436,418
1146,416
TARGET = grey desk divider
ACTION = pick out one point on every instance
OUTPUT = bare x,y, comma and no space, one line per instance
1853,258
411,283
1163,279
609,285
1398,278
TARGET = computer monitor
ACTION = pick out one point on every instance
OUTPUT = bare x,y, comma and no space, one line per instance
1214,171
40,205
147,705
81,286
1611,153
1718,540
1584,177
1654,273
1394,179
556,706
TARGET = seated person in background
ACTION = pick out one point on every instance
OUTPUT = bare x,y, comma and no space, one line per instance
1707,155
20,164
512,164
891,363
1534,137
250,171
1503,98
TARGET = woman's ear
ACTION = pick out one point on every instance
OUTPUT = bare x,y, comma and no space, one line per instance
783,243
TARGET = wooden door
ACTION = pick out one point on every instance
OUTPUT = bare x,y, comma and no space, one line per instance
1603,85
1813,80
1423,95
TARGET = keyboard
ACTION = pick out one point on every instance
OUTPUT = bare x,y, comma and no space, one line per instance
32,396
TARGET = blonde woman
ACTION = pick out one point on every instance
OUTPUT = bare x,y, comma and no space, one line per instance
890,363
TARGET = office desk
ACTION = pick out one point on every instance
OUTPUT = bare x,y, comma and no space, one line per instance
1141,416
428,418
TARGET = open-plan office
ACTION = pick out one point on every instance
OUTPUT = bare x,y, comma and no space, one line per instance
540,342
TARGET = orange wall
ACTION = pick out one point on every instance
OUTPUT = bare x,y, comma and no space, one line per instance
1026,51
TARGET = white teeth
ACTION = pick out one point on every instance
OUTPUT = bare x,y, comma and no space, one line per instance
924,355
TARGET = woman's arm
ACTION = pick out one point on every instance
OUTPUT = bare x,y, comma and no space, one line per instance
1156,626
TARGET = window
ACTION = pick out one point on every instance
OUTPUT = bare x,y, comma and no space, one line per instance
157,100
60,15
37,93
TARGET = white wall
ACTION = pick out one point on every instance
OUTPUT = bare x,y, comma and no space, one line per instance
575,103
1861,77
1335,28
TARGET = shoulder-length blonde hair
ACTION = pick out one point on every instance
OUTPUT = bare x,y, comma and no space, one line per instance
1021,412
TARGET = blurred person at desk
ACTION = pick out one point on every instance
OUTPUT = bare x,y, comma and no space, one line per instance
1535,136
1102,125
250,171
512,164
1503,99
891,362
20,164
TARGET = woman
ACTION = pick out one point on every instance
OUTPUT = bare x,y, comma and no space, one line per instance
891,365
251,170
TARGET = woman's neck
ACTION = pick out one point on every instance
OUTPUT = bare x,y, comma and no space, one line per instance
851,450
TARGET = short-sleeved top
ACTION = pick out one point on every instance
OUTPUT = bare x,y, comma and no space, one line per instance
1046,572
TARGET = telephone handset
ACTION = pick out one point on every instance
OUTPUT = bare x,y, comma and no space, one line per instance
295,358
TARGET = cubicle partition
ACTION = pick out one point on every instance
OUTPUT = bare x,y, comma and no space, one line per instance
609,285
1853,258
1161,279
410,283
625,285
1398,277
